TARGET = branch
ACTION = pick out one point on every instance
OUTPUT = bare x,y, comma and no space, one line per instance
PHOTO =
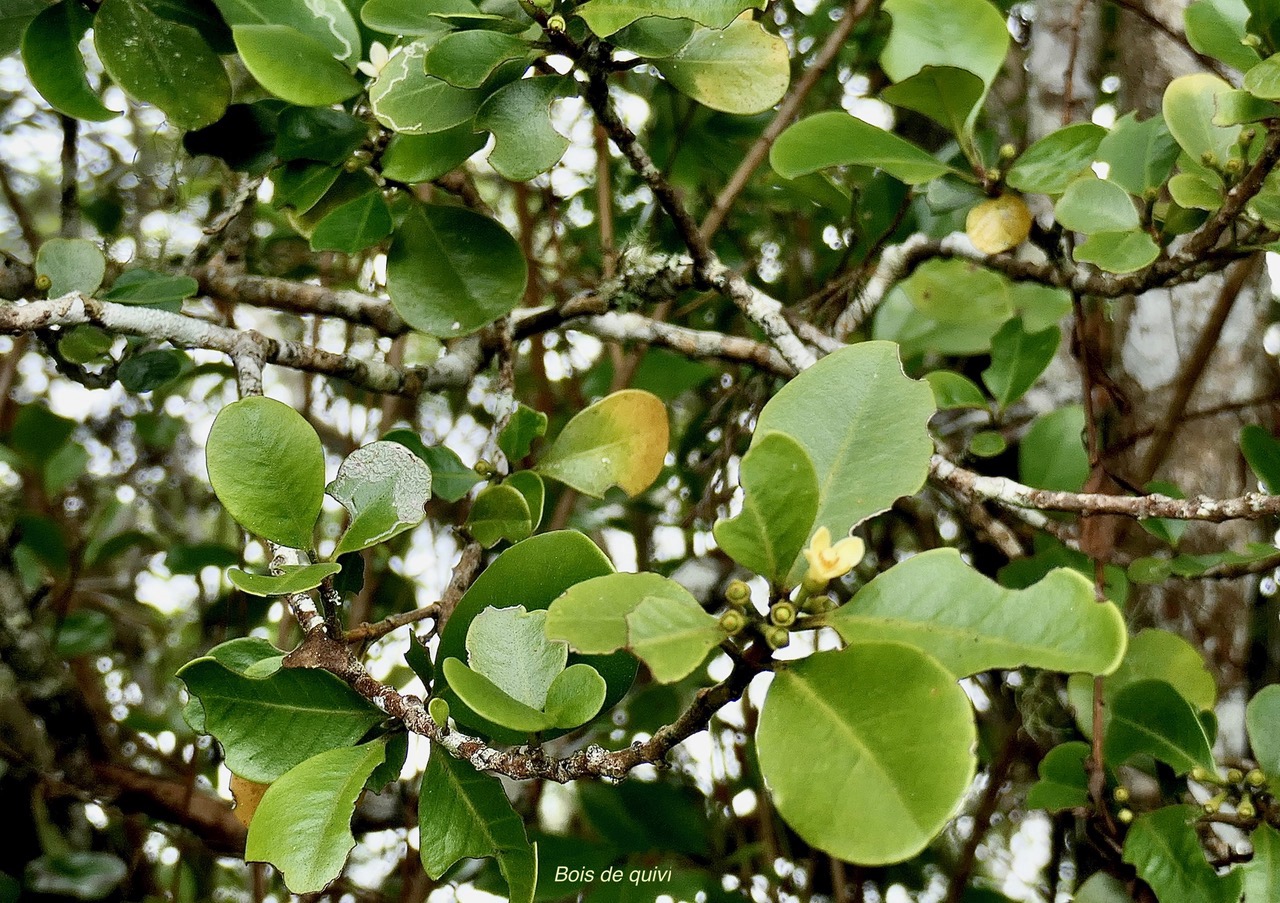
693,343
1251,506
300,297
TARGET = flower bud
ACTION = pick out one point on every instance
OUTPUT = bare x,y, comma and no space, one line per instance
484,468
1255,778
732,621
783,614
1234,775
556,24
737,593
1121,795
1246,808
1124,816
777,637
43,282
1008,152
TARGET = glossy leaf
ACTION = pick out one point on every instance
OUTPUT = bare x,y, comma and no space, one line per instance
838,139
1139,155
327,22
534,490
295,578
464,814
1053,162
72,265
524,426
976,37
1092,205
621,440
51,53
354,226
604,17
420,158
654,37
268,718
1262,718
1165,849
1118,252
969,623
1217,28
320,134
1151,717
951,390
945,94
519,116
864,425
874,765
151,289
1064,782
500,513
654,617
1262,451
293,66
510,647
412,18
302,826
1240,107
574,697
741,69
161,62
466,59
780,501
300,185
1017,360
1262,874
450,478
385,489
408,101
267,469
151,370
451,271
1189,105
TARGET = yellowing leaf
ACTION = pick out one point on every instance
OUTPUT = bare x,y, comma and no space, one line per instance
620,441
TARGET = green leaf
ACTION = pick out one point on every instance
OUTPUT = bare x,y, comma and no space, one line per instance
1092,205
466,59
268,718
519,116
1262,874
323,135
407,100
420,158
621,440
451,271
654,37
85,631
532,573
15,16
959,292
1140,155
1194,193
294,578
988,444
72,265
604,17
947,95
1017,360
303,824
161,62
463,814
530,485
51,53
1165,529
864,425
300,185
1053,162
450,478
1217,28
965,34
1263,80
522,428
293,66
1064,783
741,69
75,874
85,344
267,469
150,370
499,513
1241,107
951,391
385,489
1262,718
1262,451
414,18
326,22
1051,454
838,139
1102,888
904,782
510,647
969,623
355,225
482,696
1118,252
1165,849
1151,717
1189,105
780,500
575,697
151,289
653,616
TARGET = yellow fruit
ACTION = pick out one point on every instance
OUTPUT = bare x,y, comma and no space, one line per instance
999,224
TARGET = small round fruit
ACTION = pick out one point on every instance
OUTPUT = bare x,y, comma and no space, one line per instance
999,224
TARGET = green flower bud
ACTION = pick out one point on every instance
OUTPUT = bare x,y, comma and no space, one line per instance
1199,773
1210,159
737,593
484,468
1246,808
1234,775
1008,152
1251,40
1121,795
556,24
777,637
1234,166
1246,137
1124,816
1255,778
1215,803
732,621
43,282
783,614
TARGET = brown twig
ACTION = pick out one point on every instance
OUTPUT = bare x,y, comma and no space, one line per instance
368,632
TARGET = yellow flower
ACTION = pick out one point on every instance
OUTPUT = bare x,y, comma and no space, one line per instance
827,562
